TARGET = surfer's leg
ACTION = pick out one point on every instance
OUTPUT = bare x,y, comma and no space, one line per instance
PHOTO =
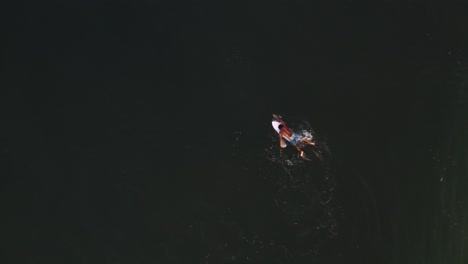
300,150
308,141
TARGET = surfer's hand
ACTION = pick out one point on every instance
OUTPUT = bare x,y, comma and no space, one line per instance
283,144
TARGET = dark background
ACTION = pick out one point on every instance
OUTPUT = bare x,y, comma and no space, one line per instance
120,120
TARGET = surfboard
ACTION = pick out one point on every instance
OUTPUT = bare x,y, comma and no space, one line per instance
275,125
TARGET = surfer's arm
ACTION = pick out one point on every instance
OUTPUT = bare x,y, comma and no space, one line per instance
281,140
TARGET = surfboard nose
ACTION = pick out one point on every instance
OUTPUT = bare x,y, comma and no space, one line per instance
275,124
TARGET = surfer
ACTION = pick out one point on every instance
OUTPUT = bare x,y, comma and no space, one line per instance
292,137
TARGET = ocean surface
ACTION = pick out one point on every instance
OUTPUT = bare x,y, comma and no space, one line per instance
140,132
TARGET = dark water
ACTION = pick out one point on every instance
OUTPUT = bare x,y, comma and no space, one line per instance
139,132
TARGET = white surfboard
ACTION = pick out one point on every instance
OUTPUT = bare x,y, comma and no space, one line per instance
275,125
